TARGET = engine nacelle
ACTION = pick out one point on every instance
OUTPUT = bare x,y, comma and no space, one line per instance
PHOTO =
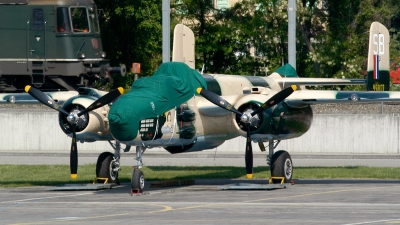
92,126
278,122
201,143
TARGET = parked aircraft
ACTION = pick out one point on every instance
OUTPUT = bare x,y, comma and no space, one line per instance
182,110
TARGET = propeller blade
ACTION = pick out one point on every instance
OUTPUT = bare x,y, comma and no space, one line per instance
74,155
45,99
277,98
249,155
103,100
217,100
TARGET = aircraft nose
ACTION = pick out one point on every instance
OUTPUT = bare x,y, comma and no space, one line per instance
123,122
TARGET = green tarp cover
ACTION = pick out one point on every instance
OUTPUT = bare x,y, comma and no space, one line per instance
171,85
287,71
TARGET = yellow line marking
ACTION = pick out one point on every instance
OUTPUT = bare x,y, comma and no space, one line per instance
43,198
53,221
170,208
271,198
313,194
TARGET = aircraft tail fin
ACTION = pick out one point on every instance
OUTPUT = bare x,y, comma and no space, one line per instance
183,47
378,78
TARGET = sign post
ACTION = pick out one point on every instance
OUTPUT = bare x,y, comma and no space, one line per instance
136,70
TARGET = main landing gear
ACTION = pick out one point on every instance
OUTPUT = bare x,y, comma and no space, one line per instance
280,163
108,167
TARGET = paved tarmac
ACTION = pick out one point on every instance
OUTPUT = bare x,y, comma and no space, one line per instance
305,202
323,201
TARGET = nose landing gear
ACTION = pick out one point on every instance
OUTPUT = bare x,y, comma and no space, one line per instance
138,181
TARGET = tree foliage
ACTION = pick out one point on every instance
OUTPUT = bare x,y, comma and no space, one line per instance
131,32
251,36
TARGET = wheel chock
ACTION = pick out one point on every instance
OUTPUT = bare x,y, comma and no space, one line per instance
135,192
100,178
280,179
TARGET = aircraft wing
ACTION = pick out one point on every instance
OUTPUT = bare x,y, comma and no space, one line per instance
313,97
287,82
25,98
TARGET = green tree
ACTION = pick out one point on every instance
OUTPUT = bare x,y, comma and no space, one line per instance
251,37
346,43
131,32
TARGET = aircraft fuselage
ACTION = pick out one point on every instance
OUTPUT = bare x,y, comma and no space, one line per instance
199,124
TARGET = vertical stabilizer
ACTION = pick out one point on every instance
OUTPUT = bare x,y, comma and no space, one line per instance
378,78
183,47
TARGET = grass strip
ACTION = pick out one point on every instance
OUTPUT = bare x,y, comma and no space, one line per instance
38,175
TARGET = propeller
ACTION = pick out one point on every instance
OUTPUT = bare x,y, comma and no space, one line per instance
247,118
73,118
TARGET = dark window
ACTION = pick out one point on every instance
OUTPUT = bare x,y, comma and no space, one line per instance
38,20
63,23
79,19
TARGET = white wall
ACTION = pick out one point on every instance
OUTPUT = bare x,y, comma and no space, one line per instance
38,131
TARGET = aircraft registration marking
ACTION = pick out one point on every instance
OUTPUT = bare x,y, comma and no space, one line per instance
380,44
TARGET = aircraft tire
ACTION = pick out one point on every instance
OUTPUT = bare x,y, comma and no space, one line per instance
282,166
104,168
137,181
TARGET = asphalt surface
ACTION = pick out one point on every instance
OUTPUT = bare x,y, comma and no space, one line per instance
305,202
321,201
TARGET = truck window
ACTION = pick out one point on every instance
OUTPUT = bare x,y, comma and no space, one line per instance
79,19
63,23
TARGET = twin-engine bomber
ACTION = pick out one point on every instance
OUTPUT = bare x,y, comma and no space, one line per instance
51,45
182,110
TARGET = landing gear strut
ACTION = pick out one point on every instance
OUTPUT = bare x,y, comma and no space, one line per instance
137,181
280,162
108,166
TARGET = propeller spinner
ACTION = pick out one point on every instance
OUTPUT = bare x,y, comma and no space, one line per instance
73,118
247,118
